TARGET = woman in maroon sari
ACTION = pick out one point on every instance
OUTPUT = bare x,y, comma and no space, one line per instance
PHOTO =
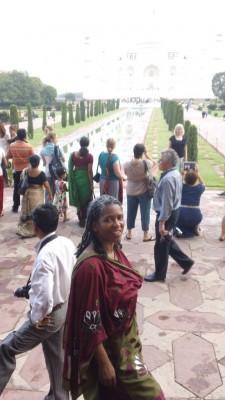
103,358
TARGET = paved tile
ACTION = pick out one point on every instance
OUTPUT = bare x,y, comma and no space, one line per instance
197,370
188,321
185,293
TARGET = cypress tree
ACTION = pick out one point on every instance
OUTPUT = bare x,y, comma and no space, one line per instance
71,118
82,110
77,113
187,125
30,128
96,108
192,144
91,109
99,106
103,109
117,104
14,117
44,120
172,115
179,114
64,115
88,109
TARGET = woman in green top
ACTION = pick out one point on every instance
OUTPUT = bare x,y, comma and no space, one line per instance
80,179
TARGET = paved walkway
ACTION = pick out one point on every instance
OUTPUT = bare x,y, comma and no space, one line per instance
211,128
182,321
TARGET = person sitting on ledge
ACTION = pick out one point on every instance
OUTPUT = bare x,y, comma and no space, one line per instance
190,214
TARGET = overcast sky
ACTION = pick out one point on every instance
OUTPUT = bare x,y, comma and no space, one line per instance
44,37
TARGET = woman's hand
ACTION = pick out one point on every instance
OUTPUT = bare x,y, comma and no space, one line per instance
106,371
107,374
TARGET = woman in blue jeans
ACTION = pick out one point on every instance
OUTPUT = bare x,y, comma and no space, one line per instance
137,193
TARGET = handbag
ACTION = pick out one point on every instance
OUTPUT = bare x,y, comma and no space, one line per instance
23,185
96,177
150,181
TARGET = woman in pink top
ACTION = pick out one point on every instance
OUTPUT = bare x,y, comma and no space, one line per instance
137,193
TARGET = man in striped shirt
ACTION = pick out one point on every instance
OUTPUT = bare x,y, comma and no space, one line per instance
19,151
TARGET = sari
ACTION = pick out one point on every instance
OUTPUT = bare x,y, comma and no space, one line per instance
33,197
101,309
80,191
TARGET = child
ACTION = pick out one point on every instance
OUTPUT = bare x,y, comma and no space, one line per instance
60,198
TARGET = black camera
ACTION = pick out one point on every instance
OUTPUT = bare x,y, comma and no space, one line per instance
22,291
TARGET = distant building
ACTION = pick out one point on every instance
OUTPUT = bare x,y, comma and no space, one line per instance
149,70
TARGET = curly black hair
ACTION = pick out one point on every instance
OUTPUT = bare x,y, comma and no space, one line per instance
93,215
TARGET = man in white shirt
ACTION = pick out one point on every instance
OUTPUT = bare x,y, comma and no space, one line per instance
49,290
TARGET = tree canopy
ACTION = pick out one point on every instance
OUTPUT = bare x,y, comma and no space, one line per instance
218,85
19,88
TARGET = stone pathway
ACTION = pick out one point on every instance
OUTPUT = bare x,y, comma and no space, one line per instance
182,321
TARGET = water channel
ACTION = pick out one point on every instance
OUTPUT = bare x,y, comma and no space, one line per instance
127,127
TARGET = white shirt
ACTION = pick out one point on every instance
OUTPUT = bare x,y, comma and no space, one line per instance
4,142
51,276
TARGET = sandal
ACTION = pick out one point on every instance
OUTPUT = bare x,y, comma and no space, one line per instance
1,214
222,238
150,239
65,219
128,237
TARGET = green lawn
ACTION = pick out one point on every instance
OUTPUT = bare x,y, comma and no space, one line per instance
210,162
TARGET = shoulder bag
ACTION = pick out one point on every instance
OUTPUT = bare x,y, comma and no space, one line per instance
151,182
96,177
23,185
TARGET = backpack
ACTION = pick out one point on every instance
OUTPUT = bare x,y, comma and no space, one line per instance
55,163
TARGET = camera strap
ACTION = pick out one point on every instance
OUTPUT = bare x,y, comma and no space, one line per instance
49,239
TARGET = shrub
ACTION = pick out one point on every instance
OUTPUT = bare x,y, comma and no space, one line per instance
88,109
64,115
187,125
91,109
192,144
200,108
77,118
71,118
4,117
52,114
30,129
215,114
96,108
58,106
222,107
209,112
14,117
82,111
212,106
44,120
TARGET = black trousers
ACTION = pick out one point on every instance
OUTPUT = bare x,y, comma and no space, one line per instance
16,196
165,247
